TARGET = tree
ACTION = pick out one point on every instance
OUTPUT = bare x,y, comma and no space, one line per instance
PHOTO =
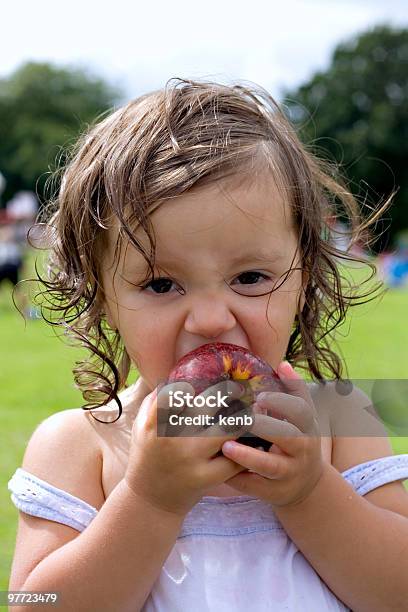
43,108
358,112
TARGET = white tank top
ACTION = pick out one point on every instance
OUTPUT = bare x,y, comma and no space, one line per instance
231,555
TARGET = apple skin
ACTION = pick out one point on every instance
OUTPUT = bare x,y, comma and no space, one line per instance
217,361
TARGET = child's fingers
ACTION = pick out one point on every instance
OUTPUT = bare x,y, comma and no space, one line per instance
270,428
217,431
222,469
170,400
265,464
293,382
282,433
143,416
289,408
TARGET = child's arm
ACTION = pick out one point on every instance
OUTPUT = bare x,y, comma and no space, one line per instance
360,550
358,547
114,562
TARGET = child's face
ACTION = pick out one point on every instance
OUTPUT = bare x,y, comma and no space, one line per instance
200,293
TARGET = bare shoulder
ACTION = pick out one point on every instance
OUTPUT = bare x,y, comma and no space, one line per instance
359,436
64,451
357,431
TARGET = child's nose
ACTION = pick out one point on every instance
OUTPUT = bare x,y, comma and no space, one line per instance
209,317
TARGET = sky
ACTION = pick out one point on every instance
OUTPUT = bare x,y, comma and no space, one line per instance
140,45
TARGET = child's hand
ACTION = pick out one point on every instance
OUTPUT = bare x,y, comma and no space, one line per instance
173,472
289,471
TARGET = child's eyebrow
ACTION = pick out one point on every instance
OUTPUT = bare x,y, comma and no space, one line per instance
258,256
261,256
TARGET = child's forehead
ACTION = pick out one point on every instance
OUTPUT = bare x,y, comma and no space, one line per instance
225,216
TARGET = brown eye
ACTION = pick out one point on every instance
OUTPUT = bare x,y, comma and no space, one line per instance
253,283
250,278
159,285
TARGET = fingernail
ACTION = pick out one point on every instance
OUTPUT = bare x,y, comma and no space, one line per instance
228,446
286,366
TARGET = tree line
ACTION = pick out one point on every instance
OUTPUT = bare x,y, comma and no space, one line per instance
354,114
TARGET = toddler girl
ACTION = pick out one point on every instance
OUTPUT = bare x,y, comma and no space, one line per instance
194,215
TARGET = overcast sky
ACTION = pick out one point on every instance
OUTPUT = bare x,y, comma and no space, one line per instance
139,45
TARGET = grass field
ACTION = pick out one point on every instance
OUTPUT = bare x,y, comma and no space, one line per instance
36,381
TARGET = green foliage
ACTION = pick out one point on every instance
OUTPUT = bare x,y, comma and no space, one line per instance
358,112
43,108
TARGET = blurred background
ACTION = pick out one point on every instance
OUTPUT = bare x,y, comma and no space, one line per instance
340,71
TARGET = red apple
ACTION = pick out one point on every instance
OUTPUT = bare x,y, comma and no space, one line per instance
214,362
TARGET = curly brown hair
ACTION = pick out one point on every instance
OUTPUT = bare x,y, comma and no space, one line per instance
157,147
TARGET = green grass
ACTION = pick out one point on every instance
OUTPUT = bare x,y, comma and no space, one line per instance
36,380
374,338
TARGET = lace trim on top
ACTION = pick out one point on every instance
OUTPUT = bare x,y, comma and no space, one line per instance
367,476
221,516
218,516
39,498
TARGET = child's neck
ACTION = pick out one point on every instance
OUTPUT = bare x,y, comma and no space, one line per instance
133,396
